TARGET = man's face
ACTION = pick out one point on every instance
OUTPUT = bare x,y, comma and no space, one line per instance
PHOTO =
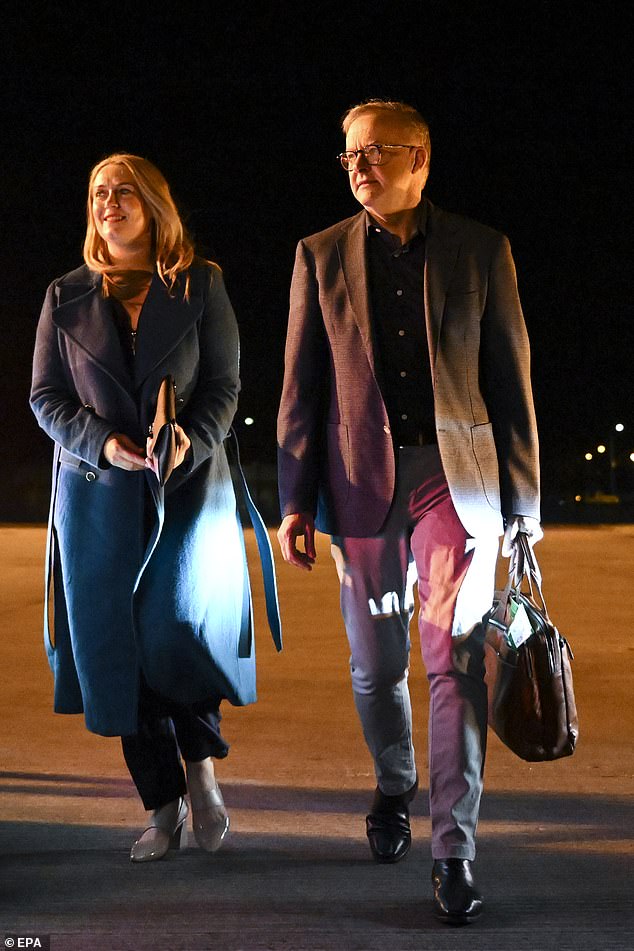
396,184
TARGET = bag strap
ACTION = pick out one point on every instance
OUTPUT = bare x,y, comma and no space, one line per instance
264,546
522,565
530,569
498,616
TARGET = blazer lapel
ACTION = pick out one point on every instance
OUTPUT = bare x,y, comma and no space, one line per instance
441,252
442,243
83,314
351,247
163,323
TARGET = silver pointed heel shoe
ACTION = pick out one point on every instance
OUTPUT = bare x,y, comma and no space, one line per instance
168,830
210,820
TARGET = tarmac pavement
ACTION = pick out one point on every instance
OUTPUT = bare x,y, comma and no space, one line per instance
555,839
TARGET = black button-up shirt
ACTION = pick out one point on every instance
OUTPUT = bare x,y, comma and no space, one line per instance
396,274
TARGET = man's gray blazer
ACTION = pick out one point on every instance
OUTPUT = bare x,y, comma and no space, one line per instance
336,455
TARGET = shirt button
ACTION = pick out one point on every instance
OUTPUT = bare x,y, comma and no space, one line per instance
90,477
403,373
378,230
403,415
401,333
399,293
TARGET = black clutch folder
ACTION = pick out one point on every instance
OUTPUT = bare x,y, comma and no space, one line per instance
161,448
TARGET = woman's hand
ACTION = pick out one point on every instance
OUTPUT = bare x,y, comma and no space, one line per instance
183,442
120,451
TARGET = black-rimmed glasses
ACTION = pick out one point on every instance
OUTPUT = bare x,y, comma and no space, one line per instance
373,154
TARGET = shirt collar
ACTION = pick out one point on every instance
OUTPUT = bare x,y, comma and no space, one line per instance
421,211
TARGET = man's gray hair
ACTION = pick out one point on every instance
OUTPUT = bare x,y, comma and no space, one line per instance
405,113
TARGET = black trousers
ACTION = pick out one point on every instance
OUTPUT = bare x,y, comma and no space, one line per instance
168,731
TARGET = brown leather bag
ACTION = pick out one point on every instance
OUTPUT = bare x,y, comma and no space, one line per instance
531,698
162,432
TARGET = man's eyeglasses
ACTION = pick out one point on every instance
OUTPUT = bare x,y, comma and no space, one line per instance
373,154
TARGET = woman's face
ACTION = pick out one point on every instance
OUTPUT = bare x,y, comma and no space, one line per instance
120,214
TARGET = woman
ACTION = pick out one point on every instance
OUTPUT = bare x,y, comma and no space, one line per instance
151,595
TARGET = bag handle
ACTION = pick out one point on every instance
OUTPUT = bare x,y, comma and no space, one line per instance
498,616
522,564
530,569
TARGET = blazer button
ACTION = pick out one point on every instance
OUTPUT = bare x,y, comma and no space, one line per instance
90,477
386,430
89,407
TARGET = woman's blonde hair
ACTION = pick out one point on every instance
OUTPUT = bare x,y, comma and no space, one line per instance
172,249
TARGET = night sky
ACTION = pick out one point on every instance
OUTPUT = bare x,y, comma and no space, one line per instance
241,109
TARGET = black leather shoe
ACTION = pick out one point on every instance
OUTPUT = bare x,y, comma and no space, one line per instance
387,826
456,899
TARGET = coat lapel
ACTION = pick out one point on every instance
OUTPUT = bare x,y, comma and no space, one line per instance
163,323
441,252
84,315
351,247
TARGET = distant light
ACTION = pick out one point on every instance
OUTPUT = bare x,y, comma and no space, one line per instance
619,427
601,449
588,456
632,456
577,498
248,421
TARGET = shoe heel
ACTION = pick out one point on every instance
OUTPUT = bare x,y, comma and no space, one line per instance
156,841
179,837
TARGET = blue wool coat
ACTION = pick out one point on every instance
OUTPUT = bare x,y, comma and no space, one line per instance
143,578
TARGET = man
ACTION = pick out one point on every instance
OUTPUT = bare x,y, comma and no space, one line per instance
407,432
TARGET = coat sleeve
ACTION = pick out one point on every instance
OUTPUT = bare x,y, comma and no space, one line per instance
506,386
209,413
302,406
54,402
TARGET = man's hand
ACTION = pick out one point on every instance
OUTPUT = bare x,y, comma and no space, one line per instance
520,523
293,527
120,451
